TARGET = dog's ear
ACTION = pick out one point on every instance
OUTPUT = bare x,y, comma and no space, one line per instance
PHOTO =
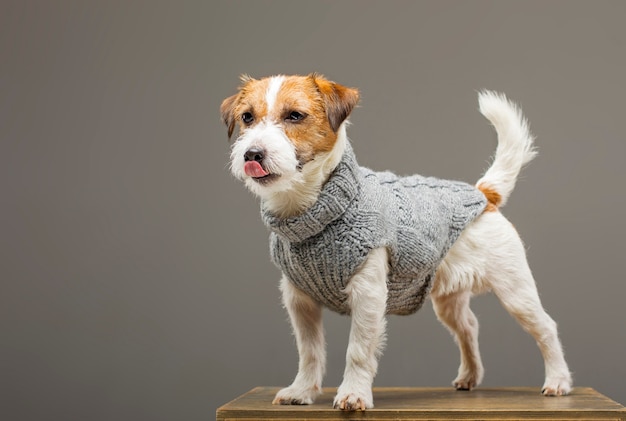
228,105
228,113
338,100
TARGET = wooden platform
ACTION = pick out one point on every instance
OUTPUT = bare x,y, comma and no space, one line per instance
508,403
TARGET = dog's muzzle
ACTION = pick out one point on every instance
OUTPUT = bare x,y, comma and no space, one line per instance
253,166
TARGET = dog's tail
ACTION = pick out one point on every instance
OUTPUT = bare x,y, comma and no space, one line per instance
515,147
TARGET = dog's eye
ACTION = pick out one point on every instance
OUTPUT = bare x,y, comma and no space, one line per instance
247,117
294,116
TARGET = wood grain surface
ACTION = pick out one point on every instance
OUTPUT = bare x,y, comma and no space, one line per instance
507,403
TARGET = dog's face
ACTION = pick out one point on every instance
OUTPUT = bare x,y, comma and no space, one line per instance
287,124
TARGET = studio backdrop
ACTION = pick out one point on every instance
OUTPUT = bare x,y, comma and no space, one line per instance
135,275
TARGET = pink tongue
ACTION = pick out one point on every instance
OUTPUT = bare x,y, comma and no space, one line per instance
254,169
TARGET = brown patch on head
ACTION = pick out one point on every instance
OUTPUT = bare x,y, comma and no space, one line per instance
310,110
249,99
313,133
493,197
325,104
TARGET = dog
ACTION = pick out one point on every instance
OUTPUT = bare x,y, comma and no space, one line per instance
370,244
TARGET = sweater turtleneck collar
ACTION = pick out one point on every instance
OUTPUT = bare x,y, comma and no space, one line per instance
336,195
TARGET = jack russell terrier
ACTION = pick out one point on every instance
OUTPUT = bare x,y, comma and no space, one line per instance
368,243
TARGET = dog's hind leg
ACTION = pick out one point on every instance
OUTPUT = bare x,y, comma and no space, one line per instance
306,319
518,293
454,312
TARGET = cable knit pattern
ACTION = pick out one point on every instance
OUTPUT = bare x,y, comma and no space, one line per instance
416,218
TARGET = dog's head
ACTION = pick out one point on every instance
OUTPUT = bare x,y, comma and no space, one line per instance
290,127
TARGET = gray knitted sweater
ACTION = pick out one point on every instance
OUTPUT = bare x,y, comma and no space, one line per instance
416,218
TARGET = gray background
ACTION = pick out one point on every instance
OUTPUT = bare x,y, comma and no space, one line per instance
135,278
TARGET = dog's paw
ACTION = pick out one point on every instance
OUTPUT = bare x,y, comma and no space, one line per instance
468,380
294,395
557,386
353,401
464,384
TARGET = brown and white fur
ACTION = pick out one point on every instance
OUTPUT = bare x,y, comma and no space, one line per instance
292,134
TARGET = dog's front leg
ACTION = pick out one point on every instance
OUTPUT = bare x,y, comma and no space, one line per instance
367,297
306,320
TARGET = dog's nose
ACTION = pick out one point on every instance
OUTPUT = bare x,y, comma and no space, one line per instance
254,154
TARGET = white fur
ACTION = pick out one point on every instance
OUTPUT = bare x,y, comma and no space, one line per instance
515,142
488,256
304,189
367,299
272,91
306,318
280,157
296,189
